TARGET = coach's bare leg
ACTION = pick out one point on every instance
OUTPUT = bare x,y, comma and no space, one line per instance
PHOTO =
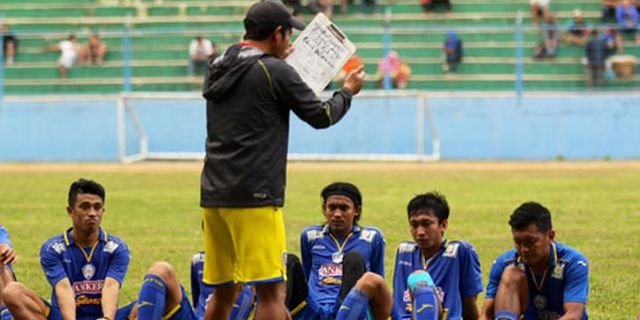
165,271
23,303
271,298
221,304
513,291
373,286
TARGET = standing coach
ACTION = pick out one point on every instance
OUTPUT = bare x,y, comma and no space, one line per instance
250,90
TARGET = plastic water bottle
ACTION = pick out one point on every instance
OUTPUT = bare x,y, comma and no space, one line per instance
425,299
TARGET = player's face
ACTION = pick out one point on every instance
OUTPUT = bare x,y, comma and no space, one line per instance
426,230
340,213
86,213
532,244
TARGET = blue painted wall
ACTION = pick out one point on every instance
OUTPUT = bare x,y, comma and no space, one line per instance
475,128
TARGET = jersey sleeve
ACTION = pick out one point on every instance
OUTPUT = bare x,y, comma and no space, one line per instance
377,256
470,272
305,252
577,281
51,262
297,96
4,236
494,278
119,263
399,287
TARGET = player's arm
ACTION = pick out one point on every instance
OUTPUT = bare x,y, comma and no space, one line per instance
470,308
399,287
573,311
487,312
305,252
110,293
377,257
66,299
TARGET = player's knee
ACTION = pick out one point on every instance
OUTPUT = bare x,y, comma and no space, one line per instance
13,293
163,270
513,278
370,283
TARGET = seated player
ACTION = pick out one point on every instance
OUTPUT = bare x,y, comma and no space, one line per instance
453,265
343,262
85,266
7,257
540,278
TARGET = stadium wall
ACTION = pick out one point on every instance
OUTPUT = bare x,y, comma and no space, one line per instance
470,127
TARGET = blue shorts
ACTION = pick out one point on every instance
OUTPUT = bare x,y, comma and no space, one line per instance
53,312
183,311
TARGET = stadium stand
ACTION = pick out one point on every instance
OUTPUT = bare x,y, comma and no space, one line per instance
160,30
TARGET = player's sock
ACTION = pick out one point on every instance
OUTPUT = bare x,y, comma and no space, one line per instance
354,307
243,305
505,315
152,299
5,314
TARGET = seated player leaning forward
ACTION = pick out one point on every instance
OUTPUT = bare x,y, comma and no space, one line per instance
453,265
85,266
540,278
7,257
343,262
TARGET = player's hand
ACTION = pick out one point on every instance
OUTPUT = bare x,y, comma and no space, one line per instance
354,80
7,254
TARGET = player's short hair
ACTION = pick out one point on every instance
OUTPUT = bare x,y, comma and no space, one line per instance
85,186
430,202
530,213
346,189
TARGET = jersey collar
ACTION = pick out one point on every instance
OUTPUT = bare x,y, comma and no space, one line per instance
68,239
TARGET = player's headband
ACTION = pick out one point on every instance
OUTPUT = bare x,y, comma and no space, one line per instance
343,189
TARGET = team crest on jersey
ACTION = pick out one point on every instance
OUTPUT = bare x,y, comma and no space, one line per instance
330,270
558,271
406,247
451,250
110,247
59,247
367,235
314,234
88,271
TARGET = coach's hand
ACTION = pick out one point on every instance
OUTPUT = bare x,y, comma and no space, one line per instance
354,80
7,254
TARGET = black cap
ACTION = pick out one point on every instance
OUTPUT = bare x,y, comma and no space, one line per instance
265,16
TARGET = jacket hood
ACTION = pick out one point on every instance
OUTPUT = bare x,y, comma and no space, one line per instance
226,71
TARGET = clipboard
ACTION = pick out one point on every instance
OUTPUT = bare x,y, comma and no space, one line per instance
320,52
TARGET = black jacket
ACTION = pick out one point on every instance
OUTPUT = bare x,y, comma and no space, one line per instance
249,95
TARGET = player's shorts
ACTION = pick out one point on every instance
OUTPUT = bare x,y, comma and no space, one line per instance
244,245
183,311
335,311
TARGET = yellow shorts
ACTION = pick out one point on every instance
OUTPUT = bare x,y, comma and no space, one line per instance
244,245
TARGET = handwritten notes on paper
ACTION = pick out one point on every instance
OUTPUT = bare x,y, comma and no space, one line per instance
320,52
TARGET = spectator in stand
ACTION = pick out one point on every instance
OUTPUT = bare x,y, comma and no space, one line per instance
200,51
578,30
396,70
93,52
324,6
429,6
352,64
295,6
68,54
539,9
9,44
596,52
628,18
548,47
614,41
453,52
609,10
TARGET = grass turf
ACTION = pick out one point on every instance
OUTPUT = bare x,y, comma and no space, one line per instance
154,208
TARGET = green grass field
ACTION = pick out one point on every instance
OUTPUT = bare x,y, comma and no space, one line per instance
154,208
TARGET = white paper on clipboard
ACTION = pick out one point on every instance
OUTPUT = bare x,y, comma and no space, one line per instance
320,52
